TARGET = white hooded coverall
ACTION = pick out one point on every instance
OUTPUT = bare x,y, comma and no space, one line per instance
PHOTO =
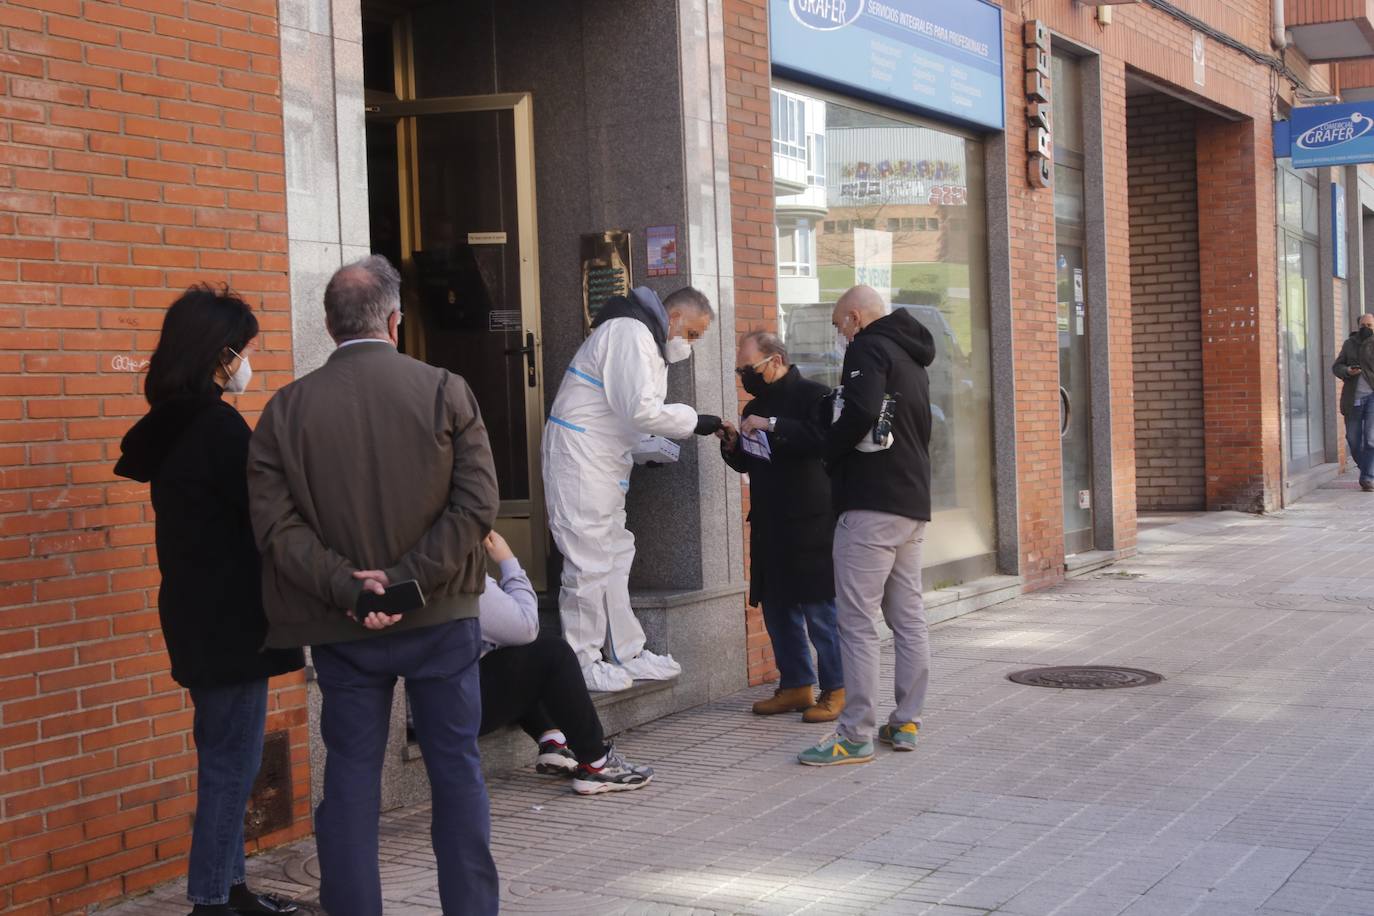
610,399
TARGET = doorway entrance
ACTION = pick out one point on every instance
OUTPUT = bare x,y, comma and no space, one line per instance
451,203
1074,334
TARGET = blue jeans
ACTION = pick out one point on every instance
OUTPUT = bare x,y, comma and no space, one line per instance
228,729
1359,436
787,630
356,680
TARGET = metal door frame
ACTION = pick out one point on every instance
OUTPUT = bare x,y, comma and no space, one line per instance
521,105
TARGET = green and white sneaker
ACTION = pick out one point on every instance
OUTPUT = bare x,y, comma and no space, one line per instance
834,751
902,737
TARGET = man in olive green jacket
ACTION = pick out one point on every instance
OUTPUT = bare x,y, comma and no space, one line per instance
373,470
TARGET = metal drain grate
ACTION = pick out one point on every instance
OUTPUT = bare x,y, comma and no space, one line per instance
1085,677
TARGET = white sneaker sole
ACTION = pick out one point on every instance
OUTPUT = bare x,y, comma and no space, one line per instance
601,788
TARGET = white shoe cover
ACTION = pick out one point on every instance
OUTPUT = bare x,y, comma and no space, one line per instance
646,666
606,677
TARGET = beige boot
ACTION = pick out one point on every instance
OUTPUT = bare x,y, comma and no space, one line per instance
793,699
827,708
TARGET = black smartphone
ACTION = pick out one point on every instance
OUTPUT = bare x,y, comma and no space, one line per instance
397,599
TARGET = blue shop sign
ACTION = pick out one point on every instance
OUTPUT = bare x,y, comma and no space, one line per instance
1323,135
944,58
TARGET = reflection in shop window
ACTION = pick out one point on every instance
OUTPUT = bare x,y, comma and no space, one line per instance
901,207
789,126
796,251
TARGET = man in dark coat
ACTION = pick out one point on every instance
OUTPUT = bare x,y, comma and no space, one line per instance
1354,367
791,527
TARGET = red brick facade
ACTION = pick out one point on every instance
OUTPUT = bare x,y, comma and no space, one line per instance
747,82
140,151
1171,465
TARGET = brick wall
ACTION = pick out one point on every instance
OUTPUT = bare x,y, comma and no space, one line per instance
1235,179
1166,305
140,151
1035,345
747,85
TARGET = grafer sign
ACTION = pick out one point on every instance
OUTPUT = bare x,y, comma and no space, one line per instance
943,58
1323,135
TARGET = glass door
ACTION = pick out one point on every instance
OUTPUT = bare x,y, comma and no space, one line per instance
1075,416
451,183
1300,309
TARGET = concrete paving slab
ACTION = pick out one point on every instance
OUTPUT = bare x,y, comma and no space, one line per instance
1240,784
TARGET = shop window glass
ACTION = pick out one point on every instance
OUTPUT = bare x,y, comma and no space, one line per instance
1304,358
789,125
1068,97
1309,209
906,203
1292,199
815,162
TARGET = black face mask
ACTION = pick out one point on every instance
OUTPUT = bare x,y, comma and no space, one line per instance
753,381
1366,333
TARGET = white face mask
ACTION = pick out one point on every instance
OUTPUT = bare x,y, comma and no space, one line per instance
841,338
238,382
677,349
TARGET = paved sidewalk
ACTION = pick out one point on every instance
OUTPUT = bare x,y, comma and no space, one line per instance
1244,783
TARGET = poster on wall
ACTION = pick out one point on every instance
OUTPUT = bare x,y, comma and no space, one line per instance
873,261
662,243
943,58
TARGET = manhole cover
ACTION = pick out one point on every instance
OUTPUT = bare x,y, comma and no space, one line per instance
1085,677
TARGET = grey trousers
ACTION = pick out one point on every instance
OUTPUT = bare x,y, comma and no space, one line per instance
878,568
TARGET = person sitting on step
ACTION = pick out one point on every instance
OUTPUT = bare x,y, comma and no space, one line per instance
536,682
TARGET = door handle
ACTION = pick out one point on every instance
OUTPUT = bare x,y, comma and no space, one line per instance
1064,407
531,373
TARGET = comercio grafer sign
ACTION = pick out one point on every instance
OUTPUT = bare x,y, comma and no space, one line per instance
1323,135
944,58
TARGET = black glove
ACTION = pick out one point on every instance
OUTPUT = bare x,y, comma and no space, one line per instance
707,425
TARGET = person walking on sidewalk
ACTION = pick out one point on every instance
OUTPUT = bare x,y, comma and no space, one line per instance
193,448
375,470
535,681
878,453
791,527
1355,368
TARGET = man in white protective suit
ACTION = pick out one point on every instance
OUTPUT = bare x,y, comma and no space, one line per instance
610,399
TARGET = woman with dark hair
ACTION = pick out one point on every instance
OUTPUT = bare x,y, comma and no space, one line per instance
193,448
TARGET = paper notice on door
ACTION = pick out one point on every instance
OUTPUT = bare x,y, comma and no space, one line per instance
486,238
502,320
1078,284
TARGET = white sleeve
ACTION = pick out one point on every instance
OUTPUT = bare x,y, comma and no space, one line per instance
632,361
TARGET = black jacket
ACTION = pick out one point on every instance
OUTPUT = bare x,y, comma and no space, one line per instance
195,453
1353,353
890,357
790,520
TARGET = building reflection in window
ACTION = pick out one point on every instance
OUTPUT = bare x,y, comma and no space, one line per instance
898,205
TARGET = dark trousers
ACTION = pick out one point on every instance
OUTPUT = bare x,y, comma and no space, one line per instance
356,680
539,686
1359,436
788,627
228,728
